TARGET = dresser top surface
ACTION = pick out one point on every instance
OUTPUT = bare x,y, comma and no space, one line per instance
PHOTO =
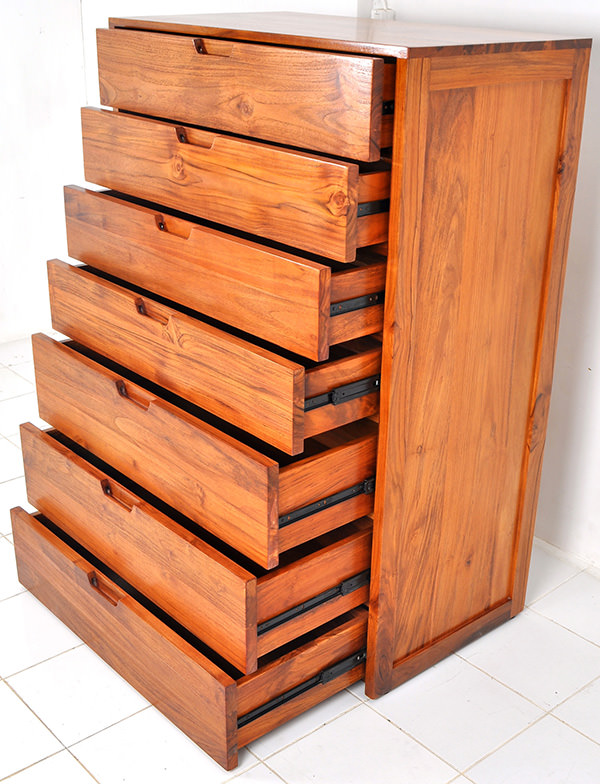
352,34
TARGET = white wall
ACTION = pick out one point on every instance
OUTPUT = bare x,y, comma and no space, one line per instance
47,60
569,505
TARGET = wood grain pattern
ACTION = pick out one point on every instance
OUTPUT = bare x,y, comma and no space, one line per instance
183,684
227,487
327,472
208,593
288,196
325,520
302,624
338,642
466,285
321,101
212,478
349,34
272,294
260,391
453,73
348,553
412,665
549,319
278,296
368,278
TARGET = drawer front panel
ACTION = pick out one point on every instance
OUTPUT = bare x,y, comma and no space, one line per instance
274,295
210,594
219,482
321,101
183,684
255,389
284,195
252,388
198,695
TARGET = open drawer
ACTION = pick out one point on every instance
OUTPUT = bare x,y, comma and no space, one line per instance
217,707
281,399
321,205
256,499
237,608
301,304
333,103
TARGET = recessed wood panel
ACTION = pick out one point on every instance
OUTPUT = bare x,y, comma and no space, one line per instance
468,275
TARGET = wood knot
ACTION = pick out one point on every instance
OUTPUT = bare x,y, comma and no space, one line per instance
245,107
178,167
338,203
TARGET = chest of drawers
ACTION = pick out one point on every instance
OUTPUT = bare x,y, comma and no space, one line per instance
298,423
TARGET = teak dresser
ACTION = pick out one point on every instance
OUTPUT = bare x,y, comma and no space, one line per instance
297,427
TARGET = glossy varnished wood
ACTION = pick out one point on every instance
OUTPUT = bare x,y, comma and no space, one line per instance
296,198
191,691
214,596
351,34
228,487
317,100
336,644
252,387
549,319
269,293
183,682
476,168
210,594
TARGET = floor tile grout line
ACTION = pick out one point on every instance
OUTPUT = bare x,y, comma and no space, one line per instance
306,735
16,397
79,762
566,628
275,773
31,765
506,742
570,697
559,585
502,683
71,746
412,737
575,729
60,653
4,481
29,708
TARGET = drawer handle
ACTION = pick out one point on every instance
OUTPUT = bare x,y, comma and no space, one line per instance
176,228
108,491
104,593
200,47
124,392
142,309
183,138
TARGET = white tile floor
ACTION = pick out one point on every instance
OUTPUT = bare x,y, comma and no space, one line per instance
519,706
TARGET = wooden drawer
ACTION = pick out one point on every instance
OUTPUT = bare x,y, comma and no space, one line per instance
261,502
300,304
322,101
277,398
310,202
217,707
235,607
